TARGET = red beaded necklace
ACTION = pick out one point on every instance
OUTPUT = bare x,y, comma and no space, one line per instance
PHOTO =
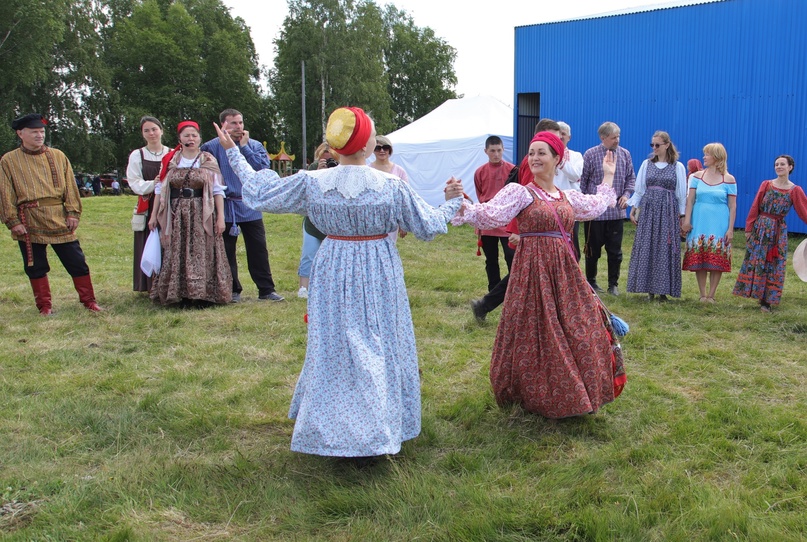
547,194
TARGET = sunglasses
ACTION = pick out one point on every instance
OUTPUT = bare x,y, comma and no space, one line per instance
656,145
379,148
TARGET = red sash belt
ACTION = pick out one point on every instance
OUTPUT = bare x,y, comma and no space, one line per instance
773,252
357,237
44,202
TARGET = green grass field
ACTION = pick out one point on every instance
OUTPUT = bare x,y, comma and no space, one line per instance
143,423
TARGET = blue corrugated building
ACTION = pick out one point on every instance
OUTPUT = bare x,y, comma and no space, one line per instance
733,71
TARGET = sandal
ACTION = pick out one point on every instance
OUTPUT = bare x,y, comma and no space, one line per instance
710,300
704,299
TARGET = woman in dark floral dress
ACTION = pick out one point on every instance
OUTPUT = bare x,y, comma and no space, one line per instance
657,206
189,210
763,272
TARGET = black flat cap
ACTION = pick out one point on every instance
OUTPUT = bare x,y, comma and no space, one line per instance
32,120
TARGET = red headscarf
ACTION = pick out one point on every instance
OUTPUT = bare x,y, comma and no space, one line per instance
524,173
170,154
348,130
184,124
552,140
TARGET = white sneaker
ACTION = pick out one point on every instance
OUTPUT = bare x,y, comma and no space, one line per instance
302,292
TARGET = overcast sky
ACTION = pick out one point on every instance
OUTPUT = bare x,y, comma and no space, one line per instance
483,38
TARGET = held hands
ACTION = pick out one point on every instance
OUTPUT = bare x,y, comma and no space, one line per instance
622,202
453,188
224,139
686,226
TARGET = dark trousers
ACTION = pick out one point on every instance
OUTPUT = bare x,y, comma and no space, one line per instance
607,233
495,297
257,255
490,247
575,241
70,254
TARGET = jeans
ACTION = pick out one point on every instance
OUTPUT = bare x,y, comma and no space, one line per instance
310,246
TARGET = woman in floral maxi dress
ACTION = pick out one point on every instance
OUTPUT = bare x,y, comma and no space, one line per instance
762,274
554,349
358,394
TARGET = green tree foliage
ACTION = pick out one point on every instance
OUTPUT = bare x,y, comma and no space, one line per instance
50,64
94,67
181,60
348,49
419,66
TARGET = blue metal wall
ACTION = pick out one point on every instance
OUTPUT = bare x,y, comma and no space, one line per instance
733,71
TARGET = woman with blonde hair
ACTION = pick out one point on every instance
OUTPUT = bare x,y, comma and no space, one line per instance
657,207
709,221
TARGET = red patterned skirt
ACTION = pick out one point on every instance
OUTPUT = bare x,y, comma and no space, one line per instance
553,354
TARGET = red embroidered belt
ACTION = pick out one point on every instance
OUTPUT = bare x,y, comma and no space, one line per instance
357,237
775,217
43,202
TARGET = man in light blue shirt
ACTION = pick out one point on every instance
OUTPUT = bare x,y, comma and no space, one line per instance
238,216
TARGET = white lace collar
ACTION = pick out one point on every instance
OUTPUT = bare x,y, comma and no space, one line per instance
350,181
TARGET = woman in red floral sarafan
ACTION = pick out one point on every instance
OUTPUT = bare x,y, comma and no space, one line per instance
555,352
709,221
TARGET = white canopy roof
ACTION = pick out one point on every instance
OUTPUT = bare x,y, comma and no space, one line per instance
450,141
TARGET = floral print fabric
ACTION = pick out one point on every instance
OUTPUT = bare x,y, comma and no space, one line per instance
359,390
553,353
762,274
706,249
194,265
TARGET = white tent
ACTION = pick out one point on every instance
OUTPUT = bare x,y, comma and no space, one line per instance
451,141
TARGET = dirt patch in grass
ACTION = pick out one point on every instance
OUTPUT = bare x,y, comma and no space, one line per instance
15,514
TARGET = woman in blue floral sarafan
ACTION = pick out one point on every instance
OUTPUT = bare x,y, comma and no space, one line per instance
358,394
709,221
763,272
